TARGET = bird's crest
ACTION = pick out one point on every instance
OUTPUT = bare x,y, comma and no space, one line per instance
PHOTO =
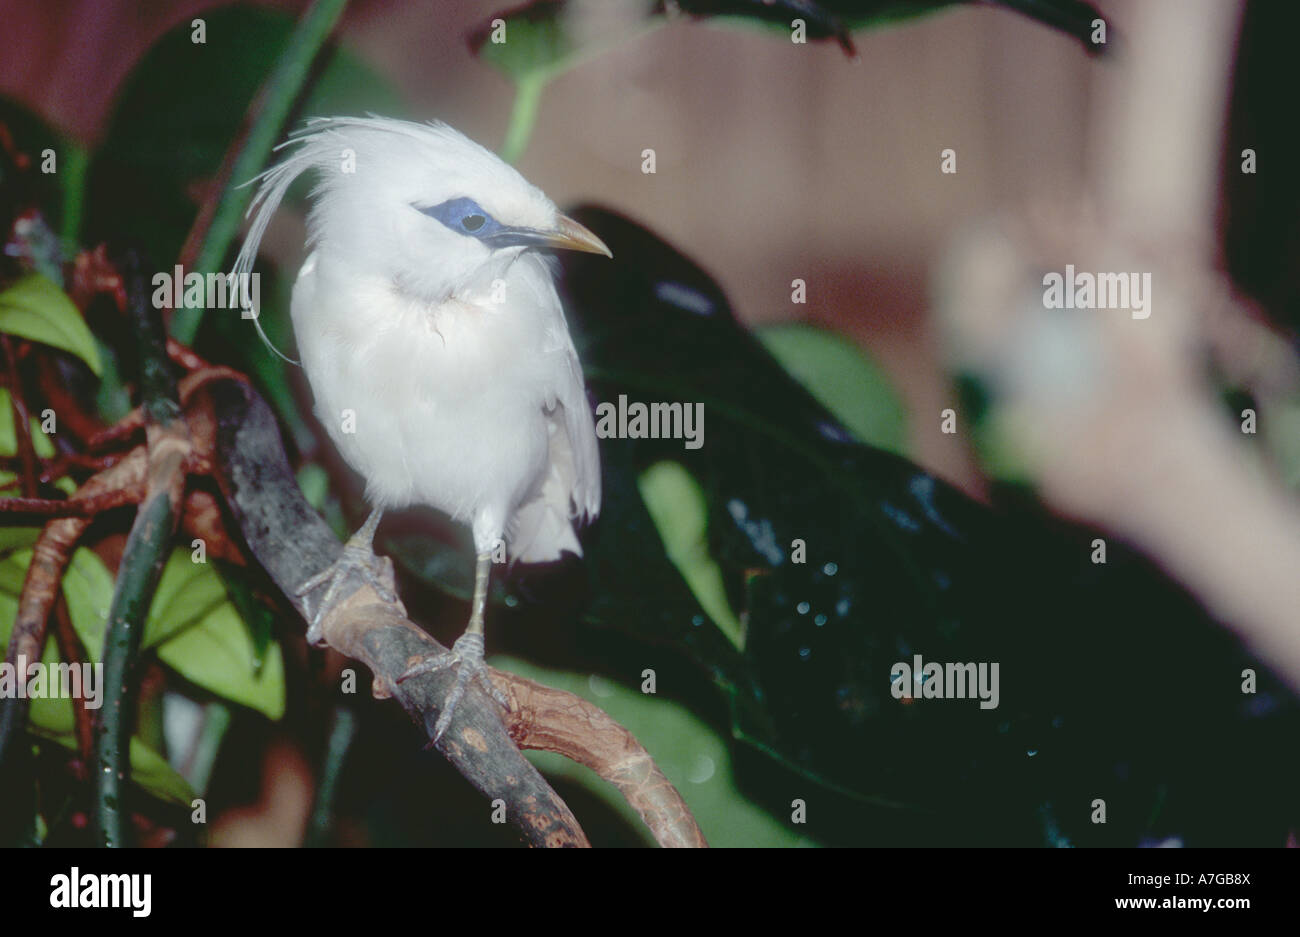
316,147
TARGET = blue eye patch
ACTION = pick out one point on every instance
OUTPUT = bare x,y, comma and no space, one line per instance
464,216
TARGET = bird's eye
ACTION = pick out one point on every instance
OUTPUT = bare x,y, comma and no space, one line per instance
462,215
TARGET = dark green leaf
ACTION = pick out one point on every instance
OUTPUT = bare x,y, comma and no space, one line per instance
843,379
179,111
897,563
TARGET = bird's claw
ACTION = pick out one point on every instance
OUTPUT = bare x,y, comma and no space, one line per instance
355,562
466,655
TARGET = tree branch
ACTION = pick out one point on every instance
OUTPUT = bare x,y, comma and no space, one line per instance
292,543
545,719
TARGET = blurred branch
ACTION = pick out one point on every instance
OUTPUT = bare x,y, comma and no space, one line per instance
55,468
523,116
203,756
222,214
1148,454
343,730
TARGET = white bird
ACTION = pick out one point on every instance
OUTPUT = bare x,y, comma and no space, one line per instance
436,347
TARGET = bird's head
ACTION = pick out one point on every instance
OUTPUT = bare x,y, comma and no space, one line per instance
419,203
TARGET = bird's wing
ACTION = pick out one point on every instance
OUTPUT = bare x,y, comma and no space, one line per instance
580,428
570,392
570,491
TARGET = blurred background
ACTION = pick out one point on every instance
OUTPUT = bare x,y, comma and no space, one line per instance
775,160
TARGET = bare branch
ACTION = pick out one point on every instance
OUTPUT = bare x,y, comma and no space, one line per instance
546,719
292,542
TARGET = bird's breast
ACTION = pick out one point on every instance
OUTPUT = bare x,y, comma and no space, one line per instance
432,403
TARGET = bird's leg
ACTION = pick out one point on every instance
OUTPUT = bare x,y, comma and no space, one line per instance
466,655
357,559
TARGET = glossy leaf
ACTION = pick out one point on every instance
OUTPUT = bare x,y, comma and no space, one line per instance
37,309
843,379
896,563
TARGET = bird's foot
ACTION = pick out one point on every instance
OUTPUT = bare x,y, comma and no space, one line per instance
357,564
466,655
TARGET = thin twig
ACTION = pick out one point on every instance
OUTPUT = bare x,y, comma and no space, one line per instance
70,650
52,470
70,507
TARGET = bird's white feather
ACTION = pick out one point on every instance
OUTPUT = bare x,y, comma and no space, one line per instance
443,370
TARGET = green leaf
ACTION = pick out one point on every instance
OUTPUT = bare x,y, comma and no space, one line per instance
256,615
680,511
17,538
195,628
314,482
8,439
149,770
219,655
186,593
88,591
843,379
694,757
36,309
